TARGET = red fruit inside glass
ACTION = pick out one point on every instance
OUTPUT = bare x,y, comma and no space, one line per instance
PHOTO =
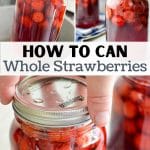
130,121
87,13
38,20
127,20
27,137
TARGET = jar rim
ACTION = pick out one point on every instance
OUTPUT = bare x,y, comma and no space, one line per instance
142,80
46,116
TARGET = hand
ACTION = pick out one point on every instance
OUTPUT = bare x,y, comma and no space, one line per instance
99,98
7,88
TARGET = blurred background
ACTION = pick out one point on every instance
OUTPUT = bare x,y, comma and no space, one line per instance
7,2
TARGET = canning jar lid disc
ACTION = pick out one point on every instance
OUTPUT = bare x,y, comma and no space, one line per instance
52,101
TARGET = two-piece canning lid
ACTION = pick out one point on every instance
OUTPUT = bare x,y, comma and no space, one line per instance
52,101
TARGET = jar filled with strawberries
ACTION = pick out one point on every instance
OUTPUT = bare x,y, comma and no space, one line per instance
87,13
127,20
130,120
51,114
38,20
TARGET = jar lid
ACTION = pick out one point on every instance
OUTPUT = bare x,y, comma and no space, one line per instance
52,101
142,80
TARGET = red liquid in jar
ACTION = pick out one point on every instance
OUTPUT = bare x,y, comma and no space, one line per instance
83,138
130,123
38,20
87,13
127,20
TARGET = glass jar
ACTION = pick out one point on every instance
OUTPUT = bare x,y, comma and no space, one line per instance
51,114
38,20
127,20
87,13
130,121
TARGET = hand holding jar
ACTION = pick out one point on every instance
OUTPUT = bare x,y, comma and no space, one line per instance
99,95
51,113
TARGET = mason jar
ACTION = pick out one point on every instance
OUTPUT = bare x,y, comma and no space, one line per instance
130,120
87,13
51,114
38,20
127,20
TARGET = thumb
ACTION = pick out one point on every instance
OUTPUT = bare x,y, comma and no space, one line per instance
7,88
99,98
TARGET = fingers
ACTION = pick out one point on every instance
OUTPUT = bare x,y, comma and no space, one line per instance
99,98
7,88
